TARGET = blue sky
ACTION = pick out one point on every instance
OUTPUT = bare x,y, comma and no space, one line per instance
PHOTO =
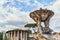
16,12
24,5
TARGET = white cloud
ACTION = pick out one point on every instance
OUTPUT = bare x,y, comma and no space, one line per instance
17,15
2,1
24,0
8,27
14,15
55,21
55,7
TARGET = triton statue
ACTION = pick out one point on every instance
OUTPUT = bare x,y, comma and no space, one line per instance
42,15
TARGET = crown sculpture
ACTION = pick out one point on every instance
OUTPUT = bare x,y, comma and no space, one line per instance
42,15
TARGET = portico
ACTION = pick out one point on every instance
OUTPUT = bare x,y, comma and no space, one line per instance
17,34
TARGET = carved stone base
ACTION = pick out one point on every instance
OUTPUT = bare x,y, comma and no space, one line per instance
47,30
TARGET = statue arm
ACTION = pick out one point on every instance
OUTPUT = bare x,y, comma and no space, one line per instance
51,14
34,15
47,22
48,19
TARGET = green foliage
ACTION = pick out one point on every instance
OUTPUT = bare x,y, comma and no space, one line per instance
31,25
29,31
1,36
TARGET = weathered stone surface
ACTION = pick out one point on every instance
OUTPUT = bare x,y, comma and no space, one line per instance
42,15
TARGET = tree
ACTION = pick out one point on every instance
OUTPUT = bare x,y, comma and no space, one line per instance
1,36
31,25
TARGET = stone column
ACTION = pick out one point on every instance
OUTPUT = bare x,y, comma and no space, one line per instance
17,35
4,35
14,36
26,35
11,36
21,35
